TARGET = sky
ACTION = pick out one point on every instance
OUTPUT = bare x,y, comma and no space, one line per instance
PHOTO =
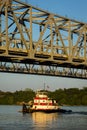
74,9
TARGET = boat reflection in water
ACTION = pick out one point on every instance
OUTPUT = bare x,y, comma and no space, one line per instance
41,119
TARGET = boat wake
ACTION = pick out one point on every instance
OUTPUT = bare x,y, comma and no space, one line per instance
79,112
75,112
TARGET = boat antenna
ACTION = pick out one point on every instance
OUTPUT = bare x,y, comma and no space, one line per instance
44,86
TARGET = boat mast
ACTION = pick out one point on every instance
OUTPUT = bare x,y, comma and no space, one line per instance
44,86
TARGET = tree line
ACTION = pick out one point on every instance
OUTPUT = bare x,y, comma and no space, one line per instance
70,96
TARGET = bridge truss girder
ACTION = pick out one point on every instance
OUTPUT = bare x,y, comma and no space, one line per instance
43,70
34,39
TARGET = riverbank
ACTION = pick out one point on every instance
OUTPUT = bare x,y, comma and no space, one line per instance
70,96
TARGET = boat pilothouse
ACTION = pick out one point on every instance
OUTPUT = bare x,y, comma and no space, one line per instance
43,102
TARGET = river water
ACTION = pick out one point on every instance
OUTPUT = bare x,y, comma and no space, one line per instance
11,119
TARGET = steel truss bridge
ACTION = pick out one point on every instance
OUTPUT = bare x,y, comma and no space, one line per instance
35,41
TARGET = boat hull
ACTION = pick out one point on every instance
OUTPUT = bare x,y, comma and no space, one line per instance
48,111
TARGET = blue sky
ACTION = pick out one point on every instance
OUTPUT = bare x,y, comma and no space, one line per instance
74,9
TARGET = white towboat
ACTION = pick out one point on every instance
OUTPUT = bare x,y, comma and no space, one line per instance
42,103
